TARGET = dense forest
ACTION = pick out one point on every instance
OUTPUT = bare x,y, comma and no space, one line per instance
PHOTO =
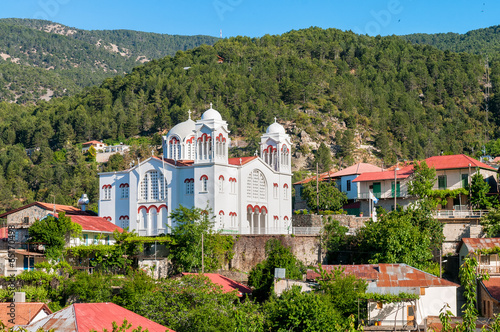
408,101
38,55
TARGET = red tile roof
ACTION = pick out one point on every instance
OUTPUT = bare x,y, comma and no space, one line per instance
477,244
83,317
4,233
228,285
388,275
493,287
93,143
180,163
403,173
25,312
455,161
241,161
321,177
496,160
69,210
438,162
356,169
95,224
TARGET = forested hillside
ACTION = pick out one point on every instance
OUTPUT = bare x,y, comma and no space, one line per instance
480,41
408,101
40,55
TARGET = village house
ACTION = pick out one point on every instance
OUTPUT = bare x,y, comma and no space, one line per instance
433,292
26,313
452,172
227,285
344,181
95,230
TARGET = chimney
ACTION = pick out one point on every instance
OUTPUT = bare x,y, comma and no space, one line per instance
19,297
83,202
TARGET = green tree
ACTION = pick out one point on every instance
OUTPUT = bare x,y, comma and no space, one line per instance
186,251
423,180
394,239
330,197
343,290
491,223
323,158
334,238
261,277
54,233
298,311
479,193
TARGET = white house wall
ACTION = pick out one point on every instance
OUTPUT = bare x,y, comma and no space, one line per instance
430,304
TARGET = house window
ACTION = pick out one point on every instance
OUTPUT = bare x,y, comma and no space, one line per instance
285,190
86,239
465,180
422,290
442,182
96,239
275,191
485,259
348,185
221,219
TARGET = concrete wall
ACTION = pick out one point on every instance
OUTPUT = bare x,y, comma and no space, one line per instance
314,220
249,250
454,232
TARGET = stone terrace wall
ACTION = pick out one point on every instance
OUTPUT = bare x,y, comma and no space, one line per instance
314,220
249,250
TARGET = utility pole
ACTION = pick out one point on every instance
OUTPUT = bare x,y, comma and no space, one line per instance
202,256
317,189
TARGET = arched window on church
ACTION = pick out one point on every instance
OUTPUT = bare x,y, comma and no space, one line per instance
153,187
285,155
190,149
256,186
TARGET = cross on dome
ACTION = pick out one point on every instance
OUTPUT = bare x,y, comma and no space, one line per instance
210,105
189,114
275,120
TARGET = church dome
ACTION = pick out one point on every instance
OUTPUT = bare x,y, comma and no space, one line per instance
275,128
183,129
211,114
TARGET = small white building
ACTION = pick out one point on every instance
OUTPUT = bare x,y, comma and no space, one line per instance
434,293
249,195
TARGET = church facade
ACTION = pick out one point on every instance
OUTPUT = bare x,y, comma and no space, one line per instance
248,195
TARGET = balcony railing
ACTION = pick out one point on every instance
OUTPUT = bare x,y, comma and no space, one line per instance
152,232
386,194
460,213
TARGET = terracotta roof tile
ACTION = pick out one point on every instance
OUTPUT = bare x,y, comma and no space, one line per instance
358,168
244,160
403,173
493,287
228,285
25,312
69,210
95,224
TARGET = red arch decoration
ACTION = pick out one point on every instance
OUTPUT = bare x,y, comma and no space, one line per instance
220,138
221,212
124,185
204,137
263,209
250,207
190,141
286,218
123,218
189,180
232,179
276,217
285,185
151,207
269,149
107,218
232,214
174,140
142,207
275,185
162,206
106,186
221,177
203,177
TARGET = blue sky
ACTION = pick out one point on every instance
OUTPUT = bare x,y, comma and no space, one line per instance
256,18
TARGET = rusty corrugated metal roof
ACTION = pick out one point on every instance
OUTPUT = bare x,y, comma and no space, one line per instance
388,275
477,244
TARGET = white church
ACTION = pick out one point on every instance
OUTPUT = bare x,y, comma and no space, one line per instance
249,195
